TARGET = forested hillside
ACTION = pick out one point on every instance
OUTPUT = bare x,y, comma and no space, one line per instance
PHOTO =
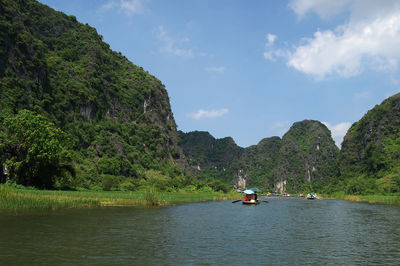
210,157
255,168
305,155
74,113
370,155
117,116
307,159
308,155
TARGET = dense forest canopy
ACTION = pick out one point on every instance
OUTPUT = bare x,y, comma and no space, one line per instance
306,154
117,115
75,114
35,151
370,152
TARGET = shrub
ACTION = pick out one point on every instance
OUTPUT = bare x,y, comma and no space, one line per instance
361,186
110,182
34,150
129,184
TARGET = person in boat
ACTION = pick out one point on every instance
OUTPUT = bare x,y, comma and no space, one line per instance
248,197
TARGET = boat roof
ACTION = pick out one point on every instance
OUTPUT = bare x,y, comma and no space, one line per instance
249,191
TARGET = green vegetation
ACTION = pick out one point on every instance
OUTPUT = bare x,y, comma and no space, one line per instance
369,159
115,116
389,199
213,156
75,115
222,159
369,165
307,159
26,200
19,199
34,151
306,154
258,163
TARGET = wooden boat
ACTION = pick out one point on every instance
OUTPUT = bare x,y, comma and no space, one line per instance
251,197
311,196
251,202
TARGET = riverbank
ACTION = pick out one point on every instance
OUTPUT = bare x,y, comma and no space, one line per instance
25,199
393,199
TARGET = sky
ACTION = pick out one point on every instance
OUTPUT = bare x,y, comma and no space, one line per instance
250,69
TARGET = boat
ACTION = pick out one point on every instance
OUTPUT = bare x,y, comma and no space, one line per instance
311,196
251,197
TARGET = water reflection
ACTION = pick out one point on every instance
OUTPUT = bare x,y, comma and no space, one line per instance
283,231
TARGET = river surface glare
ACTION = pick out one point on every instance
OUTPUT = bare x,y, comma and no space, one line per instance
282,232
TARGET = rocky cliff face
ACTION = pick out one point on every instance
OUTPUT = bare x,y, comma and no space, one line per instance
371,147
255,167
307,154
63,67
208,156
115,112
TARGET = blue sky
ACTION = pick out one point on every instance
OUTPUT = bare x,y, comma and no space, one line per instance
250,69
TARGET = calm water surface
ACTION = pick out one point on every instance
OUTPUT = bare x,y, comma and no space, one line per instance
281,232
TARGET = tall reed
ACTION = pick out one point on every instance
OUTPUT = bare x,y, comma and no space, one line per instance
21,199
14,200
153,197
392,199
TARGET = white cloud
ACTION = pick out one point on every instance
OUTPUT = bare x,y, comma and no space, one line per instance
270,52
216,69
208,113
271,39
358,9
131,6
370,39
338,131
174,46
324,8
345,50
127,7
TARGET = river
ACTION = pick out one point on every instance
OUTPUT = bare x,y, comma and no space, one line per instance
285,231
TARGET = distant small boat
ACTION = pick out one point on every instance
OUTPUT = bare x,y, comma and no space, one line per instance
311,196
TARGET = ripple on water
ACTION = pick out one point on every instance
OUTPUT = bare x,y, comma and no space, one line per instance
284,231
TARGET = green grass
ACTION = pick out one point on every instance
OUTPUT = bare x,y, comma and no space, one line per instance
20,199
381,199
392,199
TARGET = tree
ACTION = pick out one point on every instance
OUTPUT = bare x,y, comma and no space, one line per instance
34,151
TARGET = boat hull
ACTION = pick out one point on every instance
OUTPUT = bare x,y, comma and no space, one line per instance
251,202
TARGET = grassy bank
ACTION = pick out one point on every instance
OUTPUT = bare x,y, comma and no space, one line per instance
20,199
393,199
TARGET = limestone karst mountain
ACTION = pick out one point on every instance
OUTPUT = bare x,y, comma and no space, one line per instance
117,115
